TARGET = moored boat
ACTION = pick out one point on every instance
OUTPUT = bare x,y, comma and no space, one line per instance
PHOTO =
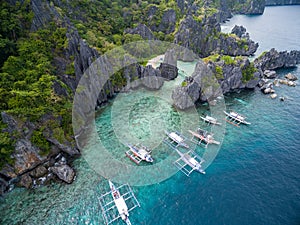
139,153
120,203
191,162
210,120
177,138
204,137
236,117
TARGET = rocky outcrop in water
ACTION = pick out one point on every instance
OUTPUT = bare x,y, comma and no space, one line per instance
215,78
273,59
252,7
63,172
168,68
29,161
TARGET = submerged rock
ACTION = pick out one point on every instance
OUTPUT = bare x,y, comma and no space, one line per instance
273,96
291,77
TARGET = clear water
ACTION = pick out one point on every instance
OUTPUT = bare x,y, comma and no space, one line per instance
255,178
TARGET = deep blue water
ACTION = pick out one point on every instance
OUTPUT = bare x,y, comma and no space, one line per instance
255,178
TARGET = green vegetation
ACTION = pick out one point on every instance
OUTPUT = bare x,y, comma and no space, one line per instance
6,146
184,83
219,73
248,73
228,60
40,141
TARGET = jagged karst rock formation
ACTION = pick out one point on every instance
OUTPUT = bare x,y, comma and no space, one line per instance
141,30
213,79
204,37
272,60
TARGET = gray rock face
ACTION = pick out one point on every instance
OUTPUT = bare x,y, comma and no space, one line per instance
168,69
65,147
185,96
240,31
203,38
26,156
151,78
43,14
167,21
64,173
273,59
141,30
256,7
3,186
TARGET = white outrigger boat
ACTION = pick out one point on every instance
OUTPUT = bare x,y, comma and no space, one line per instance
235,118
210,120
117,208
177,138
120,203
190,159
137,153
203,137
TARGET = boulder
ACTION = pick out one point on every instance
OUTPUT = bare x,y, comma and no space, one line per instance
291,77
40,171
268,91
26,181
292,83
64,173
270,74
273,96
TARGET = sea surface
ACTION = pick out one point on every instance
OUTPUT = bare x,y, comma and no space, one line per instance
254,178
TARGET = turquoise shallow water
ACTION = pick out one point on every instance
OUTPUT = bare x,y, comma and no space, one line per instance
255,178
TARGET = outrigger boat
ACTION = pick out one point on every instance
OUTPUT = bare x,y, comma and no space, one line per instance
117,208
137,153
177,138
190,159
210,120
120,203
203,137
235,118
